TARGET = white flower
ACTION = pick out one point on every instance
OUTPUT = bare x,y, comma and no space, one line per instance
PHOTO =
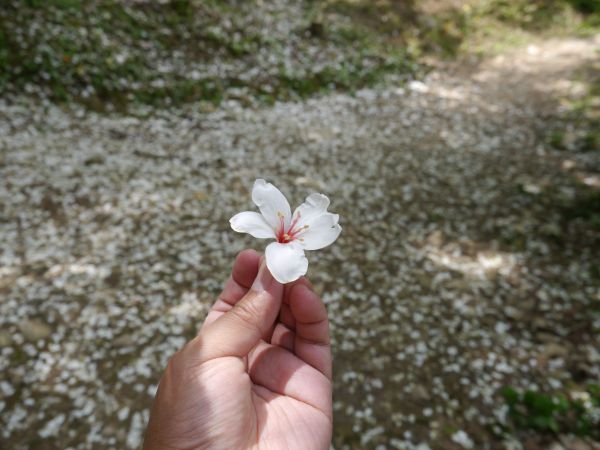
311,227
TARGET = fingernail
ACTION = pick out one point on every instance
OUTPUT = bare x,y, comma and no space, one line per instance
263,279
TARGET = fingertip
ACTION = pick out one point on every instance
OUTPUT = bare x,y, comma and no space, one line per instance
306,282
248,254
246,267
290,286
306,305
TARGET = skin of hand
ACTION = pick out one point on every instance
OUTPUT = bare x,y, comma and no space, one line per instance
257,376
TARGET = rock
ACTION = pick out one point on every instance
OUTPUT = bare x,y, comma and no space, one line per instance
532,189
436,238
418,87
93,160
546,338
462,439
123,413
514,313
117,134
532,443
554,350
114,277
124,340
576,443
541,323
200,196
314,136
424,279
206,107
310,183
551,229
556,446
568,164
5,339
34,329
316,29
421,393
372,255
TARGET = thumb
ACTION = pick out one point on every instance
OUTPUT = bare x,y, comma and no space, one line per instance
236,332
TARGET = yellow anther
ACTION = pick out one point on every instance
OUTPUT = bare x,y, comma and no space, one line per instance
280,214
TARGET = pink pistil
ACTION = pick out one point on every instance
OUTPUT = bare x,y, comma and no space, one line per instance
292,233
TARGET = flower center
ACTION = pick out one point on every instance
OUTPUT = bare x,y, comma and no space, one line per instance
292,233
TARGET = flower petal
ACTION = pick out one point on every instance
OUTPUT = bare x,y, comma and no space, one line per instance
322,231
286,262
271,203
313,206
252,223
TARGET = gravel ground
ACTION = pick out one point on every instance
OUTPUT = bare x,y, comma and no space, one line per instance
456,272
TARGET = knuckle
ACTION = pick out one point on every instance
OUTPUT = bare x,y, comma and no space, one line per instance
248,314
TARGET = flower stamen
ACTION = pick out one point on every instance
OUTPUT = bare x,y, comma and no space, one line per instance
292,232
279,233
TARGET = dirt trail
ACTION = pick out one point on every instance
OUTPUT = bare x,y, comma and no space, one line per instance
461,268
542,71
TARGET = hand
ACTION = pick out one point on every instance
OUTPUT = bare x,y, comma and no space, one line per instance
257,376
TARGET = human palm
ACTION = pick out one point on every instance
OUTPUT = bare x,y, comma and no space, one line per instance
257,376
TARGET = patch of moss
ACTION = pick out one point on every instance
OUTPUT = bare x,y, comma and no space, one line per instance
554,413
120,52
107,55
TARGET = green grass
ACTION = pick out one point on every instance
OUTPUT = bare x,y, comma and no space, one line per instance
579,129
480,27
554,413
109,55
584,207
